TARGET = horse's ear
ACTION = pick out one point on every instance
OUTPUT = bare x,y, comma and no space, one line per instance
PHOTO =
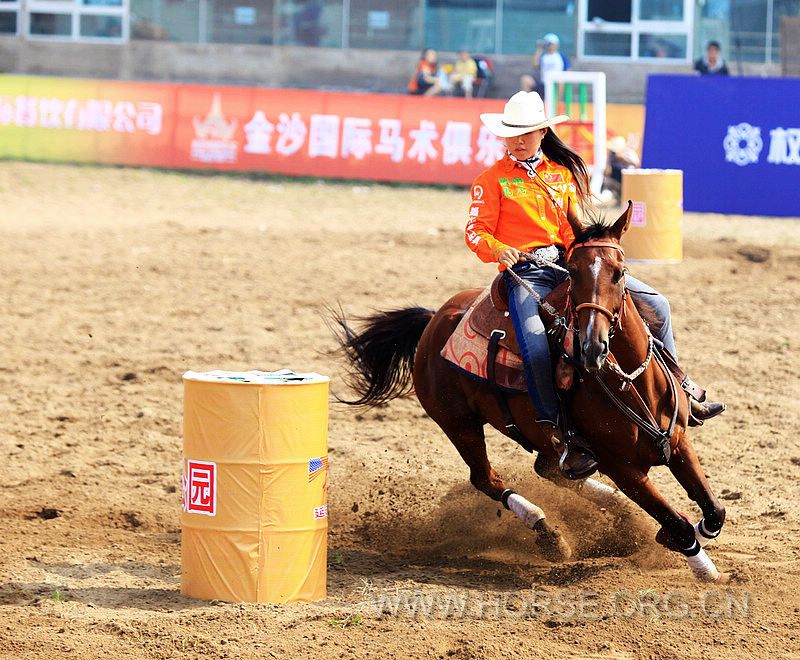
573,219
624,221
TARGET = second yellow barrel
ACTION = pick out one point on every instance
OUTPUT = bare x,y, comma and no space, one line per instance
656,231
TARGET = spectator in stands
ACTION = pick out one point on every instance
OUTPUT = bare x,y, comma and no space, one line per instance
425,81
547,58
464,74
712,64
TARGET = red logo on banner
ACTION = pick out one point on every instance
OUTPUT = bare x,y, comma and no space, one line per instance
200,488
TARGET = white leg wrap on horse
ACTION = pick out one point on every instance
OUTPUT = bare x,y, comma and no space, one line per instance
703,567
703,536
527,512
595,487
598,492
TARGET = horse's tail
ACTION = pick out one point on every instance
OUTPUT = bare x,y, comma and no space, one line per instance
381,356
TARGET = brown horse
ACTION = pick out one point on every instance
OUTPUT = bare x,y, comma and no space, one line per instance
400,346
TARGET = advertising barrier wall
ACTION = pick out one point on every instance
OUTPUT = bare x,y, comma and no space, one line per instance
325,134
737,141
298,132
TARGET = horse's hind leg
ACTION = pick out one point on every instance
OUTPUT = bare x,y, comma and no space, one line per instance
685,466
470,442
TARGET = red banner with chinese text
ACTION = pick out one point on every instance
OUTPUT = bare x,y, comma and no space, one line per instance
296,132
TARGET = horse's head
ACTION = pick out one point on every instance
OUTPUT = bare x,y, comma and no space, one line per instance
596,266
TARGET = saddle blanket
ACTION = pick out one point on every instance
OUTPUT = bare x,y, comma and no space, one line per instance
468,350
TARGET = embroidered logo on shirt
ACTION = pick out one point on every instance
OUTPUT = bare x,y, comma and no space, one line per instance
553,177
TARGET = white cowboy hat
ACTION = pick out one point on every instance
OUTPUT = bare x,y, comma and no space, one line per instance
617,143
523,113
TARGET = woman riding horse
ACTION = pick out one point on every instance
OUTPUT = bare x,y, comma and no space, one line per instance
518,218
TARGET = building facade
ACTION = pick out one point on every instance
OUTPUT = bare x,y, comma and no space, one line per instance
328,40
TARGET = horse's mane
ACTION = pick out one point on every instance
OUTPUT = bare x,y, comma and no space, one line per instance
597,228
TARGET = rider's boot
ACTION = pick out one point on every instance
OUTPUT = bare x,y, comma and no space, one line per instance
576,462
699,411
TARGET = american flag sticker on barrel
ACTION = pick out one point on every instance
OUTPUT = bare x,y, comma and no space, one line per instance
316,466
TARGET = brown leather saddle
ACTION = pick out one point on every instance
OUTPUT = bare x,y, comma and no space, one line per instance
491,315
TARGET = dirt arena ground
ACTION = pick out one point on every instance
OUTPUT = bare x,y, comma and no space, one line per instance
116,281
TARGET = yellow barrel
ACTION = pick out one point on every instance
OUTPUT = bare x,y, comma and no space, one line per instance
255,478
656,231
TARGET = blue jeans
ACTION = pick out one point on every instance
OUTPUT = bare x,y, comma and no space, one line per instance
532,338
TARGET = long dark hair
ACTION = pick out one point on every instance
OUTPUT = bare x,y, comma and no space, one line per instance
557,151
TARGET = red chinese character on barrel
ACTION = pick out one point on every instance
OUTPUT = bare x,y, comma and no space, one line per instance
200,488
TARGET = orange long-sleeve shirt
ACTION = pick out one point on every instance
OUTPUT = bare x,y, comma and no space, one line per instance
509,209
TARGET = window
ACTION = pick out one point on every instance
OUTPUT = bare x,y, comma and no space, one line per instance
101,26
650,30
660,46
385,24
80,20
240,22
311,23
456,24
9,17
608,10
747,30
660,10
163,20
613,44
285,22
51,25
525,21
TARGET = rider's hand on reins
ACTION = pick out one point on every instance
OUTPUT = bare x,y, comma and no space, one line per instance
509,257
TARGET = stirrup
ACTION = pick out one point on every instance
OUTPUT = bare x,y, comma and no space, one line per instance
586,462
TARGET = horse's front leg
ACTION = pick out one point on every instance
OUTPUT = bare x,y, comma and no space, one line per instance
681,533
685,466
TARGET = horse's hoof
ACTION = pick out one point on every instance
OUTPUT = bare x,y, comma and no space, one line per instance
723,578
553,547
712,577
550,544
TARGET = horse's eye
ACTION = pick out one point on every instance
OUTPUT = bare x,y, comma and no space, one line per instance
618,275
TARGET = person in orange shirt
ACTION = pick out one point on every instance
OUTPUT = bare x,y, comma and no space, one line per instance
425,81
519,205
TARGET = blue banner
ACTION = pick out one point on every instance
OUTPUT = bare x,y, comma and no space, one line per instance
737,141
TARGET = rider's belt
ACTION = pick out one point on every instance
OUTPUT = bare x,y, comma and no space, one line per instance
550,253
